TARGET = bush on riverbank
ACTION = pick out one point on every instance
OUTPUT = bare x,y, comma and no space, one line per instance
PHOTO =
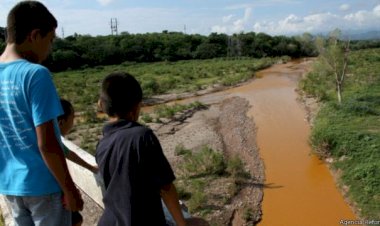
349,133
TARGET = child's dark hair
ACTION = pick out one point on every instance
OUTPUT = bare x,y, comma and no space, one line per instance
27,16
120,93
68,109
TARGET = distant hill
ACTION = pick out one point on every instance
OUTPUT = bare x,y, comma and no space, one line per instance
361,35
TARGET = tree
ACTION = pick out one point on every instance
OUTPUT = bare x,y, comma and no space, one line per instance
334,57
2,34
307,46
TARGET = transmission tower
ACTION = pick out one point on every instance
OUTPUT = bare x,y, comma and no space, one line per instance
114,24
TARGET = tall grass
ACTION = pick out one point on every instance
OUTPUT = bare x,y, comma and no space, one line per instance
350,132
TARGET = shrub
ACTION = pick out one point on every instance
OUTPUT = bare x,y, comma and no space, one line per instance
167,111
146,117
181,150
196,201
198,198
248,214
150,87
235,167
204,162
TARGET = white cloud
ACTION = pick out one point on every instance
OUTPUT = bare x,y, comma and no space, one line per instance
104,2
293,24
227,18
261,3
235,26
219,29
239,25
322,22
344,7
376,11
364,19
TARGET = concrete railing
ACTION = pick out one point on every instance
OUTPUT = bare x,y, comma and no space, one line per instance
83,178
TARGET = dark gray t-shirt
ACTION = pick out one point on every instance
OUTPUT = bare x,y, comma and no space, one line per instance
134,169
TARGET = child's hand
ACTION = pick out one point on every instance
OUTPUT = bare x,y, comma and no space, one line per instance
73,200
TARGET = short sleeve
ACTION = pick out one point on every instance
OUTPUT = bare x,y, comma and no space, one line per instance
43,97
159,168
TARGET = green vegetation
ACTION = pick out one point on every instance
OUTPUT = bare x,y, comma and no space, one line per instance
247,214
82,87
204,170
176,112
204,162
84,51
349,132
169,111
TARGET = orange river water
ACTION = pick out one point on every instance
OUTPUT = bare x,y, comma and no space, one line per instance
299,188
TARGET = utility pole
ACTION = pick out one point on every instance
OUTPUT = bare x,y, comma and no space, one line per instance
114,24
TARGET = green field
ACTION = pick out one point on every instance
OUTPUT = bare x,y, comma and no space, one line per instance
350,132
82,86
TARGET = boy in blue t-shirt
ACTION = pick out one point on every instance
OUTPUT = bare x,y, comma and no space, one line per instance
33,169
135,171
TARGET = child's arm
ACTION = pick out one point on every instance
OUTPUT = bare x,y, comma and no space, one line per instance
52,155
72,156
170,197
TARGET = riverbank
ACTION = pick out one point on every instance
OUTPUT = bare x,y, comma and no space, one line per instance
346,135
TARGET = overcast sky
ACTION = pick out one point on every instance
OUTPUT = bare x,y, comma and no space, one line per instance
205,16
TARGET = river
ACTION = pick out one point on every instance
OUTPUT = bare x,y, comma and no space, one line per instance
299,188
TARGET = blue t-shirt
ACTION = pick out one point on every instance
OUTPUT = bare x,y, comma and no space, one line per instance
28,99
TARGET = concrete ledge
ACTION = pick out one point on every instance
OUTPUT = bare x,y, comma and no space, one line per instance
83,178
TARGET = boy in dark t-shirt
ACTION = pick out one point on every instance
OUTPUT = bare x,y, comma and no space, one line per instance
135,171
